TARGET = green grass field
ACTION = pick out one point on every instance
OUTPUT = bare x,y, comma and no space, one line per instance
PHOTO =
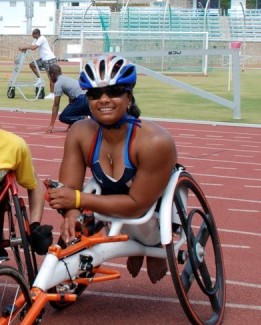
157,99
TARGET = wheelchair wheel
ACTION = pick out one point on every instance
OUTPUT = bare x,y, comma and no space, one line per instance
195,256
41,94
13,285
66,288
20,244
11,92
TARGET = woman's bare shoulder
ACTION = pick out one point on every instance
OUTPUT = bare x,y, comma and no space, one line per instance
155,143
155,132
82,127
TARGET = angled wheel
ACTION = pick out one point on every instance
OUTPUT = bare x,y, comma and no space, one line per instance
11,92
15,298
41,93
195,256
67,287
19,237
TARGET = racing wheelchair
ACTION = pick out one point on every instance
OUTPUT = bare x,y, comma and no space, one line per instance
189,242
14,216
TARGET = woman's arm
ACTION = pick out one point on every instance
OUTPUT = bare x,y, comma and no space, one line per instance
156,157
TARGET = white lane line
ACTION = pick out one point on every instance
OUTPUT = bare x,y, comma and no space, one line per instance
48,160
249,146
247,163
252,186
186,135
243,306
244,284
230,282
215,144
223,168
45,146
211,184
228,177
243,210
244,143
235,246
242,137
164,299
181,143
210,146
232,199
243,156
184,153
239,232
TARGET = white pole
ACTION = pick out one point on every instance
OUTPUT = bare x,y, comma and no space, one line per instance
163,29
229,72
205,27
244,36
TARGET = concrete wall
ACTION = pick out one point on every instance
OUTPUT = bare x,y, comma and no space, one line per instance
9,48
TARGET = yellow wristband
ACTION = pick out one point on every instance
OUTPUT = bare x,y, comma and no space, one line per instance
77,199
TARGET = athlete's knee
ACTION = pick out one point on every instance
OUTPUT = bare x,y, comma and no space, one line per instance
64,119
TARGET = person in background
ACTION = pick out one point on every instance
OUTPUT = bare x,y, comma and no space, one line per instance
131,159
47,58
77,108
15,155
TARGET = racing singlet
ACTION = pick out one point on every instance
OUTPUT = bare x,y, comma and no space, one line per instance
108,184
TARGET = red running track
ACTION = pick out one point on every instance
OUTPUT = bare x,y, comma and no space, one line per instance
226,161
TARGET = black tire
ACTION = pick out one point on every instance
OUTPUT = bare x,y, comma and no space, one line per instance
12,285
11,92
197,268
30,269
60,305
41,94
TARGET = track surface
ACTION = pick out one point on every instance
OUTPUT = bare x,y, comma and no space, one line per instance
226,161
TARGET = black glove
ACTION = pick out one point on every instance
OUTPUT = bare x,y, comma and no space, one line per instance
41,237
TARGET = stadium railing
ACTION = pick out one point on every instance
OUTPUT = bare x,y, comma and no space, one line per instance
75,19
245,24
172,19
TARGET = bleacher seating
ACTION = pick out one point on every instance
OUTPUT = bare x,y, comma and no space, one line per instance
75,19
145,19
157,19
170,19
246,27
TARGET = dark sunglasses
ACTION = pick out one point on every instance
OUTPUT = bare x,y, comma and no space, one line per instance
111,91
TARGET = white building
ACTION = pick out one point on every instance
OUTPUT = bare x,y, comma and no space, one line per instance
18,17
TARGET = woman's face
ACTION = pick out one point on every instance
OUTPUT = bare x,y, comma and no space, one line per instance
109,104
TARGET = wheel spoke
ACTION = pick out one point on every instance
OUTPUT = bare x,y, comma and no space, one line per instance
15,297
187,277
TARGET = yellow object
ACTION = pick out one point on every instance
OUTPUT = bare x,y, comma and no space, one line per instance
77,199
15,155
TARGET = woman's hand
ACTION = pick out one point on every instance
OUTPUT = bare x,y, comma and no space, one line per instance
68,226
62,198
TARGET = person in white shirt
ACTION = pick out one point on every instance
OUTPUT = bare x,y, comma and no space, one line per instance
47,58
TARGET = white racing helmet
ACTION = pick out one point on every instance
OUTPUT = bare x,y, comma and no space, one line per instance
107,71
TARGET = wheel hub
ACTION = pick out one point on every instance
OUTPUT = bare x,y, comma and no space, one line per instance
200,252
